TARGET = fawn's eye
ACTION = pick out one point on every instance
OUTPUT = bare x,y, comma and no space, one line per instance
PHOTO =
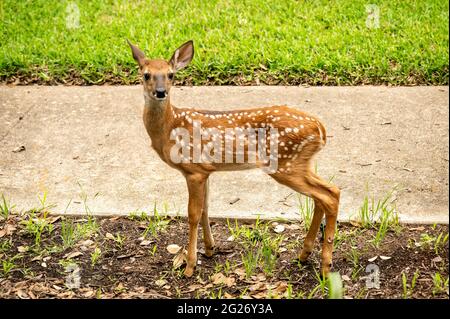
146,76
170,76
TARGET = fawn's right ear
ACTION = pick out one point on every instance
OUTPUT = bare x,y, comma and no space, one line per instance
138,55
182,56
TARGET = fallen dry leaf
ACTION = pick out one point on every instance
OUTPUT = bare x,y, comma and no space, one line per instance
145,242
420,228
22,249
89,294
355,223
22,294
110,236
18,149
280,287
260,295
279,229
293,227
86,243
437,259
240,272
208,286
345,278
173,249
9,229
32,295
219,279
73,254
259,277
226,295
260,286
54,219
160,282
179,259
194,287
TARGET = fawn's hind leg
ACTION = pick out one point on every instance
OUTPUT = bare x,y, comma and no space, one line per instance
207,235
310,238
326,199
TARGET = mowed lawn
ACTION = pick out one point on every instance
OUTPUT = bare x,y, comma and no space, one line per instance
237,42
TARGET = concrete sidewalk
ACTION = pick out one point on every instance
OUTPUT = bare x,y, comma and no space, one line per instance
91,140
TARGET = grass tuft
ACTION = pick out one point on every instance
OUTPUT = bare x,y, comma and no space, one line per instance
5,207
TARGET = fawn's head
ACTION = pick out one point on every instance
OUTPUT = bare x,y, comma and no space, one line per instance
157,75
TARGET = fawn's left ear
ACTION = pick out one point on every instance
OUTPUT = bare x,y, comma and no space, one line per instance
138,55
182,56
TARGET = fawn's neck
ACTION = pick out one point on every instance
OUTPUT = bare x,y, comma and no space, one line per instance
158,116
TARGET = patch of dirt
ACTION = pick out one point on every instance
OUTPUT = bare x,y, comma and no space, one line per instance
111,258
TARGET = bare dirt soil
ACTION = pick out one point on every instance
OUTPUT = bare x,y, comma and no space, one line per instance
47,256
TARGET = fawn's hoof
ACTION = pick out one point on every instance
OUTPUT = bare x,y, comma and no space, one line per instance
304,256
209,252
189,271
326,269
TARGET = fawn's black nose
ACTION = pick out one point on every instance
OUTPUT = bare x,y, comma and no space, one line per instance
160,93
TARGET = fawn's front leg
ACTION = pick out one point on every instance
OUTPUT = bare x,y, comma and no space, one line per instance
196,187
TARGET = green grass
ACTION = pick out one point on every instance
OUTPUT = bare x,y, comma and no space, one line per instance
237,42
440,284
68,233
260,247
156,223
409,288
379,214
436,243
37,226
306,210
5,207
7,266
95,256
72,232
354,256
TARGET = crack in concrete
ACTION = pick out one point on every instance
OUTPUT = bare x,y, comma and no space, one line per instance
17,123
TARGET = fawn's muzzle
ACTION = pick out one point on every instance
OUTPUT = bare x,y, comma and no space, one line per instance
160,93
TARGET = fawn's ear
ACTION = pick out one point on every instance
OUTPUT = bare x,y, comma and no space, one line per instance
138,55
182,56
